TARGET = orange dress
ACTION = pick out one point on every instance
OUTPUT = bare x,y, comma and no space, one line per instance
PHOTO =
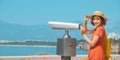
97,52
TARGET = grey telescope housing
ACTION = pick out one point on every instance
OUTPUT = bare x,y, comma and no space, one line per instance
64,25
66,46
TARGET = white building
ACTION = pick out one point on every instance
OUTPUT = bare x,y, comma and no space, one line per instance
114,36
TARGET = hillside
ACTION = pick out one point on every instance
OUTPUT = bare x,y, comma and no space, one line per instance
10,31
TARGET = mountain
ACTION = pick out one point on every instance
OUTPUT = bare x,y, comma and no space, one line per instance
9,31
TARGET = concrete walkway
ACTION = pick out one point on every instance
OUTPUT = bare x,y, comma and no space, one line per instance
48,57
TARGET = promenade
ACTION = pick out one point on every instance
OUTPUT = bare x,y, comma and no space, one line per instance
48,57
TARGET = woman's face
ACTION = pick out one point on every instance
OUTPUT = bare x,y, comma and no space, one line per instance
97,21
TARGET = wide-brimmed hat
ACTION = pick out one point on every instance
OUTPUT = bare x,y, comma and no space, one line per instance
99,13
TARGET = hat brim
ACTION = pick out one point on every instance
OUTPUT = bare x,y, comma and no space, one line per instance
100,16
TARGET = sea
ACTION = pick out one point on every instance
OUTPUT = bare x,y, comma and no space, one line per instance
33,50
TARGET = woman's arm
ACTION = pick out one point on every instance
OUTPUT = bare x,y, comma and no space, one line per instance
91,42
85,25
90,31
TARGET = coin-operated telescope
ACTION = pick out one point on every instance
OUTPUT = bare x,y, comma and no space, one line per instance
66,46
64,25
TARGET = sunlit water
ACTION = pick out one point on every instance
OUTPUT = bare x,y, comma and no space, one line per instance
32,50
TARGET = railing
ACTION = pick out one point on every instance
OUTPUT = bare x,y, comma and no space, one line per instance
48,57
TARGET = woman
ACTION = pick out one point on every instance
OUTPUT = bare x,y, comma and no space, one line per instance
96,43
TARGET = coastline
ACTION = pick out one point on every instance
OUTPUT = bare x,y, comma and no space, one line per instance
30,46
33,46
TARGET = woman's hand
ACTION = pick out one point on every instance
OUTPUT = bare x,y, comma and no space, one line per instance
83,31
87,17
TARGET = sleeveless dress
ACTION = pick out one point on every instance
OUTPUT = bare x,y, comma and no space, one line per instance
97,52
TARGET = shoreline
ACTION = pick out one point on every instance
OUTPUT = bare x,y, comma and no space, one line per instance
32,46
29,46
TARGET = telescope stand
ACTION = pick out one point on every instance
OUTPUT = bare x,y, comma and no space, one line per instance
65,57
66,36
66,46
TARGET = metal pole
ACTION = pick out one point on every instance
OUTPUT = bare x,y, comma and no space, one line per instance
66,36
65,57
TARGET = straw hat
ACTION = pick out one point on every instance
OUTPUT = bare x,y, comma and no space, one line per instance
99,13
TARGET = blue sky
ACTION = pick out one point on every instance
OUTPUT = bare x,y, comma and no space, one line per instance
39,12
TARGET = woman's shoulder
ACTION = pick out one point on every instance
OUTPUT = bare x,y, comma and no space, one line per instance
99,31
100,28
